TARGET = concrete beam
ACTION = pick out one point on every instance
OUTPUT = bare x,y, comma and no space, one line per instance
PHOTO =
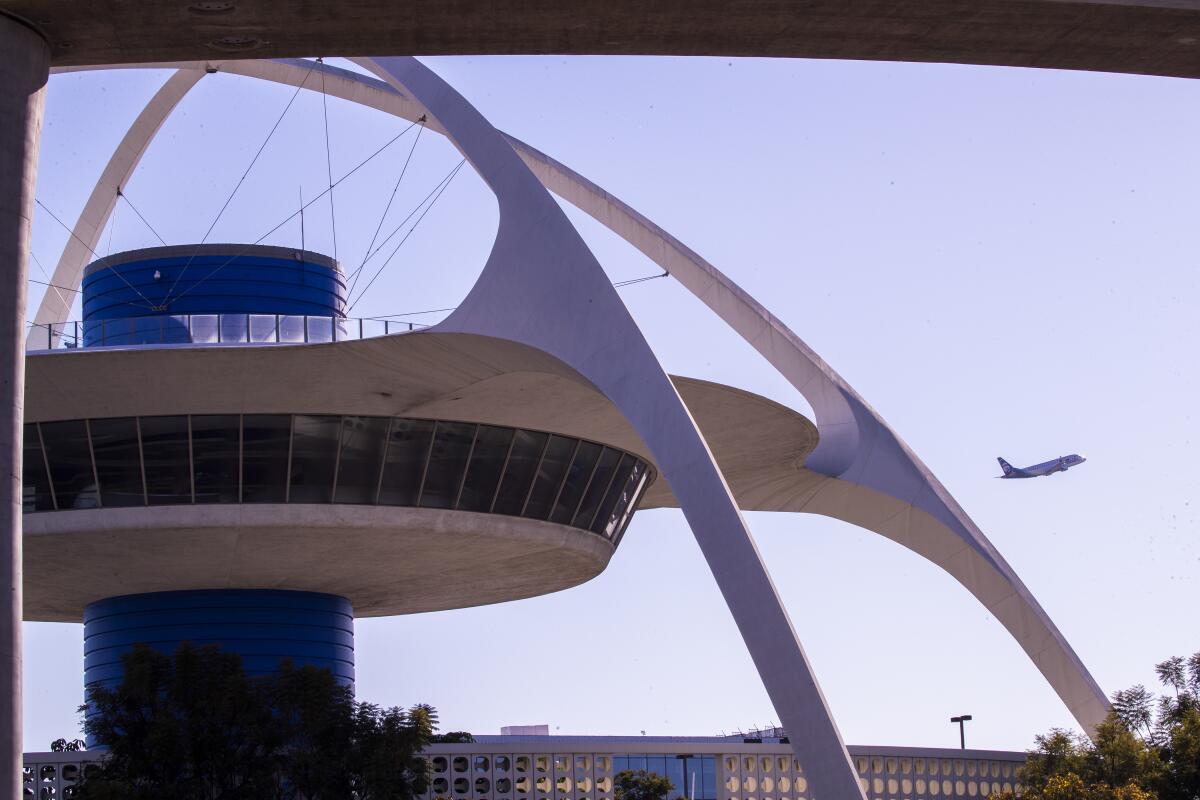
1151,37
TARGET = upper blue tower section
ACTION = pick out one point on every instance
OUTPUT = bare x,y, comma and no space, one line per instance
204,279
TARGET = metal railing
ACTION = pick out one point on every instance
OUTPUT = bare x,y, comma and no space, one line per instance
208,329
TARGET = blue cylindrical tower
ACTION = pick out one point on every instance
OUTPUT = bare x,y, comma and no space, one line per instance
151,296
145,296
263,626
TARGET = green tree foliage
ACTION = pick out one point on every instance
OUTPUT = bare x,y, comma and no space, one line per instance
1147,749
193,726
641,785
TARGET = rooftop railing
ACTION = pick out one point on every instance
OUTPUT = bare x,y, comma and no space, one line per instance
208,329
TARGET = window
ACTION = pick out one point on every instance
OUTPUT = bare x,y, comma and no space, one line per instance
265,442
166,450
360,459
36,495
609,513
215,458
305,458
70,459
578,476
404,464
447,463
314,454
118,462
518,477
558,456
483,474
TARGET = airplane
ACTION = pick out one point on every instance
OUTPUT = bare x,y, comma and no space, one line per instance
1060,464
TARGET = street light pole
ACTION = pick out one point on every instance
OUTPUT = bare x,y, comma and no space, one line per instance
962,736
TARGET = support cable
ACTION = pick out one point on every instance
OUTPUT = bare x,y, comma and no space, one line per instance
387,261
413,313
616,285
329,160
149,305
167,298
295,214
387,207
112,227
437,187
54,286
643,279
145,222
47,282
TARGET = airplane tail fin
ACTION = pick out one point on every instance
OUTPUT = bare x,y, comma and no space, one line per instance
1004,465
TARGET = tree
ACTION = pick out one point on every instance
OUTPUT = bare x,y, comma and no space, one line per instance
193,726
1147,749
641,785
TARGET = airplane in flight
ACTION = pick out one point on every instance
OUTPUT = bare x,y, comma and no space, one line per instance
1060,464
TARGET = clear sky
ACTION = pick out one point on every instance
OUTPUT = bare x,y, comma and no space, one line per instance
1003,262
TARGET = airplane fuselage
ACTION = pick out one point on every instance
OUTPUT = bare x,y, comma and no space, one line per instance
1060,464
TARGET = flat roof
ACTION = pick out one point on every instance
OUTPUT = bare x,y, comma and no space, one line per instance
683,744
211,249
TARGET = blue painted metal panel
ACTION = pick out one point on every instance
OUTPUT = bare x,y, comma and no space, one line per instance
240,280
263,626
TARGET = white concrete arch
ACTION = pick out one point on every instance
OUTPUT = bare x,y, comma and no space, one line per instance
871,477
85,236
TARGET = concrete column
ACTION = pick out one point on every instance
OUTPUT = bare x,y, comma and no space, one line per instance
24,69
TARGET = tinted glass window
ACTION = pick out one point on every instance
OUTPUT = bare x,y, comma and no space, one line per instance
629,498
607,511
314,453
407,452
215,457
234,328
598,488
168,468
577,479
35,481
709,769
558,456
70,463
265,457
447,462
361,458
118,461
518,475
674,773
483,474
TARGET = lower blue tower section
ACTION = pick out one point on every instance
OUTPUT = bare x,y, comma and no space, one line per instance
263,626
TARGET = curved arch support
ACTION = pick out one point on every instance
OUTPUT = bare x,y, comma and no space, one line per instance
871,477
85,236
542,287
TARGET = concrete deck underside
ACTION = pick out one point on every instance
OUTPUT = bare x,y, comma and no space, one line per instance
385,560
1154,37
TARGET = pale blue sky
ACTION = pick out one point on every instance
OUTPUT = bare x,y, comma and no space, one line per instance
1003,262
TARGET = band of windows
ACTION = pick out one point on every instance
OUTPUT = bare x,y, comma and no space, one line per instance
300,458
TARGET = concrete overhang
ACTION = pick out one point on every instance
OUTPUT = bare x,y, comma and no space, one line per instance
759,444
1153,37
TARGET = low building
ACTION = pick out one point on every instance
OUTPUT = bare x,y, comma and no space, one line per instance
700,767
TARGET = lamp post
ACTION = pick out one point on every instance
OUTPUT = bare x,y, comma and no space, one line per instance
962,736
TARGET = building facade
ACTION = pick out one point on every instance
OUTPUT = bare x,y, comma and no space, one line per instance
699,768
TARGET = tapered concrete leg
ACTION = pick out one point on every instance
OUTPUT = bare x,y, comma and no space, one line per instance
24,68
